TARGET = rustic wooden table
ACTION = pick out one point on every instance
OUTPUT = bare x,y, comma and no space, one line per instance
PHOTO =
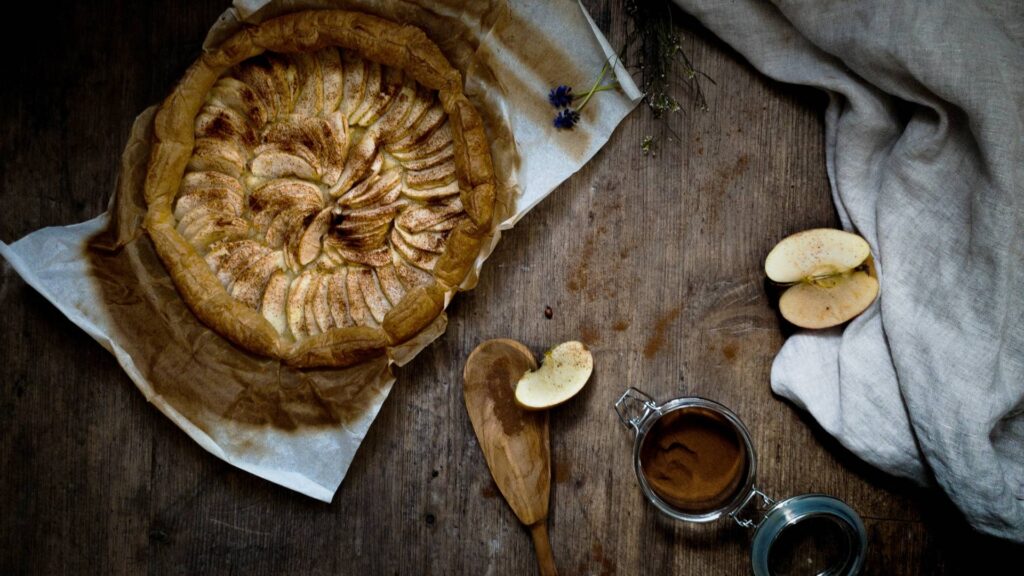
654,261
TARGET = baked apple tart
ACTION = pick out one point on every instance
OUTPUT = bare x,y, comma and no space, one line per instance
318,186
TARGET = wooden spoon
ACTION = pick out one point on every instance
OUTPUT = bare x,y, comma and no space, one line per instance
515,442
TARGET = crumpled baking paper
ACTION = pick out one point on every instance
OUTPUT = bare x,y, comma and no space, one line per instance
301,428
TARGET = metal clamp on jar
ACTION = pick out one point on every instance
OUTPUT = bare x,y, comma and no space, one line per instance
695,462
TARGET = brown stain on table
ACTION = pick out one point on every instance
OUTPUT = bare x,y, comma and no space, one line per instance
656,340
490,490
590,335
729,350
595,273
563,471
605,564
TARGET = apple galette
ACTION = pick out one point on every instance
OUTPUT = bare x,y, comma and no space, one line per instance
318,185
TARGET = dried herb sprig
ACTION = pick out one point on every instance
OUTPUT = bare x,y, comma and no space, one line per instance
653,48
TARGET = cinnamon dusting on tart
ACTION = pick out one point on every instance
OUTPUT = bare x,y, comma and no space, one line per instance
325,174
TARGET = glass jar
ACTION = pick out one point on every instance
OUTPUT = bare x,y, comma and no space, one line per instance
806,534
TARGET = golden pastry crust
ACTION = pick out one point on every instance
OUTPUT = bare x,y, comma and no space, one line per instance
317,185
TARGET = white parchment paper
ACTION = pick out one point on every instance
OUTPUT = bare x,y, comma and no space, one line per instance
527,49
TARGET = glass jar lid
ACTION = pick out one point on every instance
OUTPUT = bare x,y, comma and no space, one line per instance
811,534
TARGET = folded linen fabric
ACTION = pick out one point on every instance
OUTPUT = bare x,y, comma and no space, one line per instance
924,139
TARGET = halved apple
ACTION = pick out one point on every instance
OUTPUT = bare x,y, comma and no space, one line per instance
565,370
831,275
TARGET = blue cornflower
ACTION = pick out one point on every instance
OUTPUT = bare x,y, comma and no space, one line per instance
560,97
566,119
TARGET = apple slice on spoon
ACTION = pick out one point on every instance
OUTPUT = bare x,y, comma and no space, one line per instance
830,273
565,370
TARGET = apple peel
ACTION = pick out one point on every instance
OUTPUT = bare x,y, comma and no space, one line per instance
565,370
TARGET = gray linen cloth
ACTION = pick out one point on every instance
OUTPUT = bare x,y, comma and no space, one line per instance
924,138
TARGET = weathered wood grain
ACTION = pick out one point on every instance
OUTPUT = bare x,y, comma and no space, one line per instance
653,261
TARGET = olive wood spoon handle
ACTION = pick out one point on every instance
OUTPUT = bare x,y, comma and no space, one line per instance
542,546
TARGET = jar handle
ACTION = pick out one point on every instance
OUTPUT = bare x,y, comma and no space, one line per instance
750,512
629,406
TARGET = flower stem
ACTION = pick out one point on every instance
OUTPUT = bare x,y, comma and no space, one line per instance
594,88
606,87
